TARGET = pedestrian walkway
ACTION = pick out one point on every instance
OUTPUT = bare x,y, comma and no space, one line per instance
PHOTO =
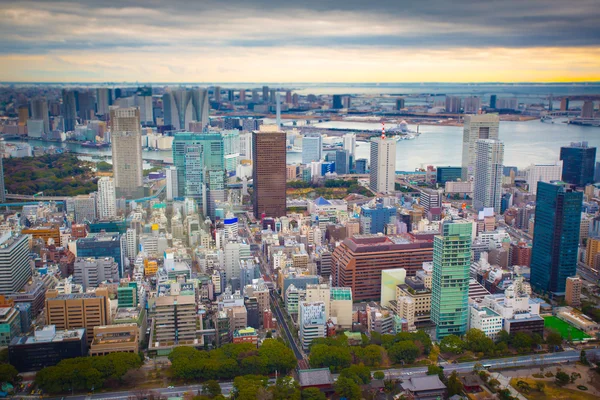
505,383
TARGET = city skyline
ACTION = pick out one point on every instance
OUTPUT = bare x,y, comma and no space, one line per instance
257,41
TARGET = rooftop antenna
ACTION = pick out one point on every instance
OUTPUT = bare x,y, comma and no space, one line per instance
383,131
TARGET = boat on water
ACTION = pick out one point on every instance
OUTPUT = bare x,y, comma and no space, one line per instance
547,118
96,145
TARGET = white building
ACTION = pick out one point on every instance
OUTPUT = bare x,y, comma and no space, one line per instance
479,126
350,144
131,243
312,149
172,185
107,199
246,146
485,319
90,272
383,165
487,189
405,308
312,320
233,253
542,173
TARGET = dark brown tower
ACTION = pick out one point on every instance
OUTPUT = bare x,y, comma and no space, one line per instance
268,172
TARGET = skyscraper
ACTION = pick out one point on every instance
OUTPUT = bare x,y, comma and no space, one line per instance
39,111
478,126
472,104
487,188
350,144
383,165
450,280
400,101
15,268
69,109
183,106
493,101
268,173
579,161
126,134
452,104
2,187
556,239
587,110
312,148
103,100
172,189
342,162
265,94
337,101
107,200
86,105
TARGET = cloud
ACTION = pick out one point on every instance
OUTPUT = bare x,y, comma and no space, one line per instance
182,30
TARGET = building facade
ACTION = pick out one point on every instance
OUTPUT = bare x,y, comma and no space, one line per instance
383,165
126,136
479,126
268,173
578,163
487,189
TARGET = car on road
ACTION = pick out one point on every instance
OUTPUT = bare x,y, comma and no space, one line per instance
170,387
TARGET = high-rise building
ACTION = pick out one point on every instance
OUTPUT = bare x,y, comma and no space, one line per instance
91,272
172,187
479,126
450,280
542,173
493,101
358,261
265,94
126,134
312,148
268,172
578,165
383,165
430,199
183,106
472,104
556,238
143,100
564,104
103,100
217,94
487,188
15,267
312,319
69,109
452,104
246,145
375,219
337,101
78,310
2,186
342,162
350,144
104,244
361,166
107,199
587,110
39,111
86,105
242,96
400,103
573,291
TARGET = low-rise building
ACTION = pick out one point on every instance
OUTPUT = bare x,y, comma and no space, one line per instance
246,335
486,320
122,338
312,320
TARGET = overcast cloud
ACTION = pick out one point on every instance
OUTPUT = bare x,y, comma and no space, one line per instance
153,32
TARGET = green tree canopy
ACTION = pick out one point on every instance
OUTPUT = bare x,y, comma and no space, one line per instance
452,344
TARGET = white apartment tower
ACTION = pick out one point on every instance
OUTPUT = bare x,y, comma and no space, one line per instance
487,188
350,144
383,164
126,136
478,126
542,173
172,185
107,199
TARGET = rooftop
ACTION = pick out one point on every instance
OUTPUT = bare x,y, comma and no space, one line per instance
424,383
315,377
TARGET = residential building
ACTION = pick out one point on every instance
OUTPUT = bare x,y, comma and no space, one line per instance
175,321
69,109
350,144
487,189
556,239
358,261
415,289
268,173
573,291
383,165
171,183
39,111
82,207
486,320
478,126
430,199
374,218
450,281
578,163
15,265
126,137
107,199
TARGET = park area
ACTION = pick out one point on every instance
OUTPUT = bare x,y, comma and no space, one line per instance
568,332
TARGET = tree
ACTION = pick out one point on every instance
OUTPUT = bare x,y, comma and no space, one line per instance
405,351
553,339
8,373
312,393
575,376
540,386
248,387
358,373
562,378
454,385
4,355
523,387
583,358
269,335
436,370
370,355
334,357
211,388
504,394
503,337
378,375
494,384
285,388
522,341
452,344
346,387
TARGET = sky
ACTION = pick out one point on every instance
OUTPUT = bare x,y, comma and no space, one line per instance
300,41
